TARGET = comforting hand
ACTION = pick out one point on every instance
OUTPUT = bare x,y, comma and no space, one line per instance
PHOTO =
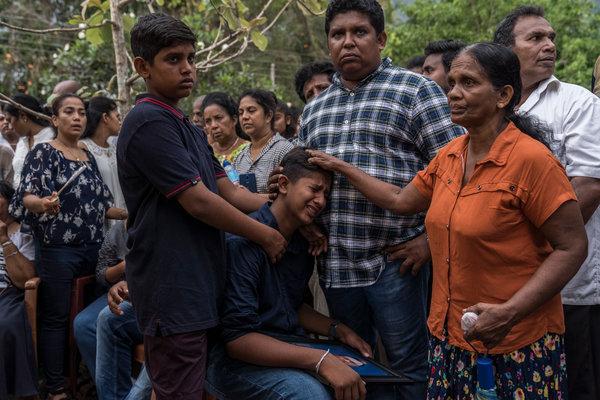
274,245
116,295
493,323
324,160
414,252
316,239
346,383
349,337
272,184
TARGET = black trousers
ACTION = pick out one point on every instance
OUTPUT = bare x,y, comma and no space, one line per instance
582,347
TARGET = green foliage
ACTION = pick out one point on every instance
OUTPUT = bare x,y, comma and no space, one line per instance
576,22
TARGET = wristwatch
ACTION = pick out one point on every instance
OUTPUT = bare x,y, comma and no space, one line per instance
333,329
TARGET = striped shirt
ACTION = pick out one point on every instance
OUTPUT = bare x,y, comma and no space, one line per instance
390,126
269,158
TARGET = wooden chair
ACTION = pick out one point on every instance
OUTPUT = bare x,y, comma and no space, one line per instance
78,303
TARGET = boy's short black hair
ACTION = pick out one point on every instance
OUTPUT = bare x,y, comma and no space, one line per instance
371,8
505,34
154,32
307,71
448,48
295,165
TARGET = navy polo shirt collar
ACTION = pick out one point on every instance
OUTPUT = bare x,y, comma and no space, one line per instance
149,98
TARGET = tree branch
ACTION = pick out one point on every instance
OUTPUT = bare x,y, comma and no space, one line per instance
54,30
23,108
307,8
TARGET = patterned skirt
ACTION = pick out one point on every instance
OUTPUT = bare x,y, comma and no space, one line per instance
536,371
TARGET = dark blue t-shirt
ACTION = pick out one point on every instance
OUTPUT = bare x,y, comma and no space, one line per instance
176,263
260,297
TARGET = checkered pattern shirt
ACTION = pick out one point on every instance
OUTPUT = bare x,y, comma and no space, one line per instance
390,126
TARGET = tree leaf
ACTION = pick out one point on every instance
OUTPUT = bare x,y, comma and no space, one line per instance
259,40
160,2
241,7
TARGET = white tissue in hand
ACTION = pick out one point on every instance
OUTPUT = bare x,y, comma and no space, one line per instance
468,320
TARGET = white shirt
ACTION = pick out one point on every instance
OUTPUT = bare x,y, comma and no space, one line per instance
572,114
106,158
43,136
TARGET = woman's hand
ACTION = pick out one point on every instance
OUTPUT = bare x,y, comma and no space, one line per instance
351,338
50,204
274,244
493,323
325,161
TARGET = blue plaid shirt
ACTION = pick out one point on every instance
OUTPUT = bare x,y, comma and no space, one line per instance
390,126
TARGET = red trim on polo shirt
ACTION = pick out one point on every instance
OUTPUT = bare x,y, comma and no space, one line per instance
182,186
159,103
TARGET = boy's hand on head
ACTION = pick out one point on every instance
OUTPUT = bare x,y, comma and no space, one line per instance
274,245
272,184
346,383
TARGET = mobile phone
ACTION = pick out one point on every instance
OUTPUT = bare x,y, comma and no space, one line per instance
249,182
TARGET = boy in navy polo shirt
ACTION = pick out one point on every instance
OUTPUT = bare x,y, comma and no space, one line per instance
179,200
263,308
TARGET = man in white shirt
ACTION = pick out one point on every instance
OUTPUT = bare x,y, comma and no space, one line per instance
572,115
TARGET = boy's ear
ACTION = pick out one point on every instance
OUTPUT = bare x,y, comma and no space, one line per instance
283,184
141,67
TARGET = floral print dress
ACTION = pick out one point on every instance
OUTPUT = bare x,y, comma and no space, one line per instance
536,371
83,204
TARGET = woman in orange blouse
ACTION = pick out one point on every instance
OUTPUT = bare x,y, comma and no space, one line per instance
505,234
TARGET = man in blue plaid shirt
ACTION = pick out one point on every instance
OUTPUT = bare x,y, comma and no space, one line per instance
390,123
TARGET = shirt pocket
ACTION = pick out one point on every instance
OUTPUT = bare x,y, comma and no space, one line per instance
495,208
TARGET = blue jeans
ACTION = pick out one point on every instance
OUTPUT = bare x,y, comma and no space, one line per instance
84,329
117,335
395,307
57,266
230,379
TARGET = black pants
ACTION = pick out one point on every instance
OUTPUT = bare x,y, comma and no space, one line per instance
582,347
57,267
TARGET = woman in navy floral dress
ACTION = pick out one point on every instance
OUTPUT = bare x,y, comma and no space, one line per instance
67,228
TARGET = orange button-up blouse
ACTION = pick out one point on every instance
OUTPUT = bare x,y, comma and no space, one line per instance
484,237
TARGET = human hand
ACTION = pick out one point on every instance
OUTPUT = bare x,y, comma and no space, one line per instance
346,383
325,160
118,293
273,182
274,245
494,321
415,253
351,338
50,204
316,239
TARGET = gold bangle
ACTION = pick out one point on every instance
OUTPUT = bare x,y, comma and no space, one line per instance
7,243
11,254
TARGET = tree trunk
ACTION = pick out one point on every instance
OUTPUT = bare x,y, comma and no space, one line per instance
118,36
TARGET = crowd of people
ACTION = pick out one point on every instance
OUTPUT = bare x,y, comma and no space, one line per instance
396,202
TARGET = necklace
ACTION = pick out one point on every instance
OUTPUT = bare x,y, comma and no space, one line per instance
227,150
69,151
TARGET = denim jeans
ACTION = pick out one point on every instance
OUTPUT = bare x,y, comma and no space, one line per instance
395,307
116,336
57,266
230,379
84,329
